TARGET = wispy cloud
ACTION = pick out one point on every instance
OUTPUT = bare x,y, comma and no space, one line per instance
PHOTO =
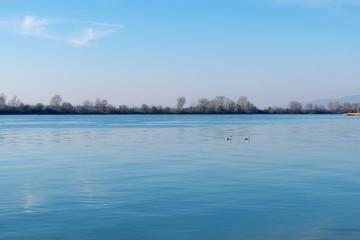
89,35
75,32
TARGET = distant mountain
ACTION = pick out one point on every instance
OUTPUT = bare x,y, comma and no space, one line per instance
350,99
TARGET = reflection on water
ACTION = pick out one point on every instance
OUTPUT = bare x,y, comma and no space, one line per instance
175,177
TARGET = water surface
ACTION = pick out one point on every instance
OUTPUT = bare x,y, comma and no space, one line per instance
175,177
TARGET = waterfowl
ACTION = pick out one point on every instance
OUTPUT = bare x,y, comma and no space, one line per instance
228,138
246,138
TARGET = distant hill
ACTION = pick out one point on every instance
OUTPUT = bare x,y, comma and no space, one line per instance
350,99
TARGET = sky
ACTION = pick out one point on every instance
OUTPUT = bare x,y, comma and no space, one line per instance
153,51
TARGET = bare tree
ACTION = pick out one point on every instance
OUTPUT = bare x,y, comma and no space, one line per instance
14,102
221,104
276,109
309,108
88,104
241,103
231,106
144,108
334,107
356,107
154,109
101,104
180,103
67,107
245,106
123,109
39,107
2,100
203,104
56,101
319,108
347,107
295,107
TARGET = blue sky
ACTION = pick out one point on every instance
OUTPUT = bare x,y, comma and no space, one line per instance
154,51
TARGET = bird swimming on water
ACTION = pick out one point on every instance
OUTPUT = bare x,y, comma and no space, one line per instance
228,138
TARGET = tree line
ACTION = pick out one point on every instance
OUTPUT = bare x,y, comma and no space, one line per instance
218,105
333,107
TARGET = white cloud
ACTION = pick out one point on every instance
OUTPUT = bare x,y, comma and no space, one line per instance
48,28
33,26
89,35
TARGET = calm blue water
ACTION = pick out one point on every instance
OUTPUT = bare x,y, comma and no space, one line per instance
174,177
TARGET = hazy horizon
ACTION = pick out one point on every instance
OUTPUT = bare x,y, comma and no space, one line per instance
135,52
